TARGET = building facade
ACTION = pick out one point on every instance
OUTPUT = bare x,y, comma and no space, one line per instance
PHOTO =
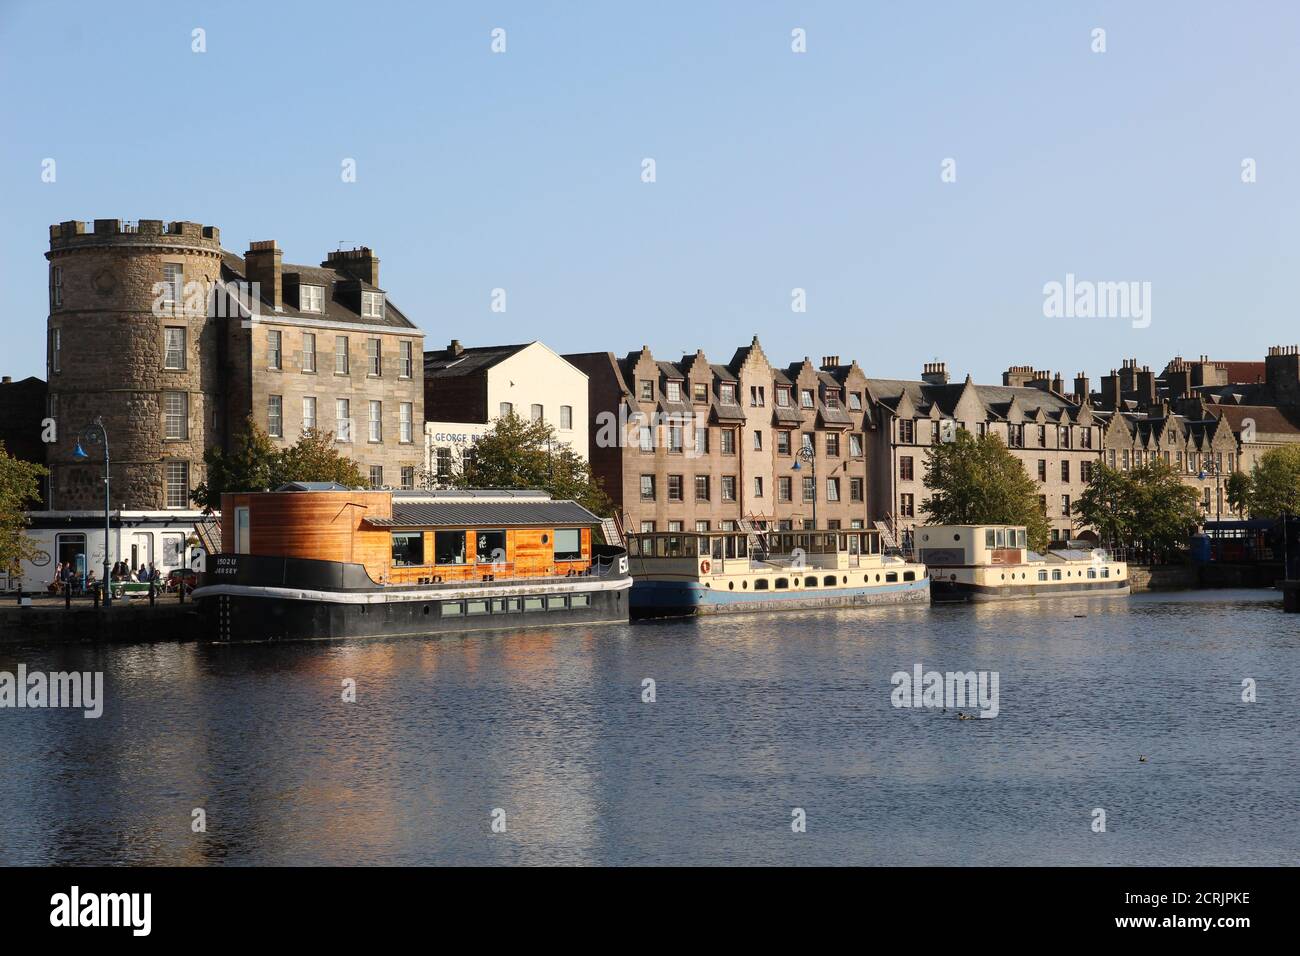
467,389
175,342
696,446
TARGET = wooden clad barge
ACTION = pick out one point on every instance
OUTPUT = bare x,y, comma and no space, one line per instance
318,561
979,563
685,573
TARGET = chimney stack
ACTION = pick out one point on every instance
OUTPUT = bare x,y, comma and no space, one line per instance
455,348
829,362
1110,391
1018,376
1081,390
263,264
6,380
359,263
935,373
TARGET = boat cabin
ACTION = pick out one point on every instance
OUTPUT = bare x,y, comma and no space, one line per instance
761,546
965,545
416,537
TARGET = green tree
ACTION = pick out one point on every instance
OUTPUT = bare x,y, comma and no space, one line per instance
516,453
978,481
255,464
1239,489
1108,504
19,488
1275,483
1165,510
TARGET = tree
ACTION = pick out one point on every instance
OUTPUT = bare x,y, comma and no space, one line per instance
1107,504
255,464
19,487
1275,483
1239,489
516,453
978,481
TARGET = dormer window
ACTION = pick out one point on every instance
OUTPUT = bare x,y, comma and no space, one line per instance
832,398
674,391
311,298
783,396
372,305
855,401
727,393
806,397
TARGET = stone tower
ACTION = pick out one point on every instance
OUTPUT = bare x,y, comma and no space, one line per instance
131,338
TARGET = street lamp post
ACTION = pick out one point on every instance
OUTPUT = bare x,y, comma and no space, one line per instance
1212,468
96,432
809,455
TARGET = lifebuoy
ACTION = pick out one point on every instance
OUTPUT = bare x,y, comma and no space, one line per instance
704,567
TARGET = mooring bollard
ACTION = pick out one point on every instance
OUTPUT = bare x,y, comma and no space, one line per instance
67,595
152,591
96,596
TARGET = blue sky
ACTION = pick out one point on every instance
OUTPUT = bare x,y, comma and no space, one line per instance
775,170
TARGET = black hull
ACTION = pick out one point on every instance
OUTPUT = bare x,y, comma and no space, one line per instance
956,592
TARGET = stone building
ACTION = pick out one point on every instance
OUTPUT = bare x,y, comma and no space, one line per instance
22,414
149,330
693,445
1056,437
467,389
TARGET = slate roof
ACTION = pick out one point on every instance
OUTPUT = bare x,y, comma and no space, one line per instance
995,398
338,308
484,514
446,364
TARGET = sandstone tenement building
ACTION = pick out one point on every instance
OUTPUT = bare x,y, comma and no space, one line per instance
148,330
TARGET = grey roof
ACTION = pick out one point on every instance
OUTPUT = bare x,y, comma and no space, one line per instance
337,307
313,486
447,364
472,514
924,394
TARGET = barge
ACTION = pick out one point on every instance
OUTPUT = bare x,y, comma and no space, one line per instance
978,563
313,561
690,573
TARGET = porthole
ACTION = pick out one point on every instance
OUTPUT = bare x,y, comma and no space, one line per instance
731,585
545,538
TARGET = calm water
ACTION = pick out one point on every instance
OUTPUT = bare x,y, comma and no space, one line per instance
753,717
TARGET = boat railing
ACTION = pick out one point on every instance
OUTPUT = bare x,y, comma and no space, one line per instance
503,572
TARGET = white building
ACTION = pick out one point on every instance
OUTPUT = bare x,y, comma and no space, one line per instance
467,389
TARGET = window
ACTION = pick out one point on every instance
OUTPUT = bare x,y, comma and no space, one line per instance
376,418
832,398
701,440
309,412
1065,506
274,353
311,298
783,488
758,487
56,349
176,415
1085,471
340,355
309,352
405,364
449,547
701,526
408,477
728,487
855,445
343,420
537,412
506,409
728,436
1016,436
178,484
1042,469
568,544
907,506
674,487
275,416
674,391
408,549
675,439
647,487
806,398
490,547
981,428
1042,504
758,440
809,489
442,462
647,390
1064,435
757,396
809,441
906,468
566,417
701,487
700,392
374,358
1085,437
727,393
173,282
855,401
855,489
405,415
173,348
783,396
1065,470
833,444
372,305
832,489
1042,436
647,527
645,438
56,286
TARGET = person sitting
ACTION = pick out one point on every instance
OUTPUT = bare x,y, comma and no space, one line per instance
56,583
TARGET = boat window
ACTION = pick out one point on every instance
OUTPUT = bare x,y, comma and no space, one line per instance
408,548
1056,575
449,547
534,604
1092,572
1042,575
555,603
988,537
688,546
476,607
811,581
760,584
1105,572
717,549
742,546
452,609
503,605
634,547
568,544
580,600
782,583
490,547
672,546
891,576
1020,537
909,575
829,580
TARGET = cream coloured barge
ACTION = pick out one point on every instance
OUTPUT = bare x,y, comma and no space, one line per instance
687,573
993,563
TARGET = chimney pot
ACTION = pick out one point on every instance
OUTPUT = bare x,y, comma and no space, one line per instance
455,348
